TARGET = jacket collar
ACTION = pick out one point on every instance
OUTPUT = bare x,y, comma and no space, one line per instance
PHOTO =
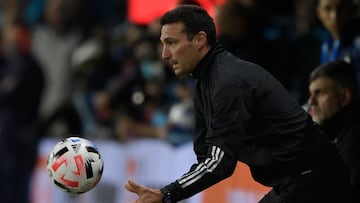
203,67
346,117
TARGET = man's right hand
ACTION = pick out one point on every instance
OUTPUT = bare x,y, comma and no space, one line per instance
145,194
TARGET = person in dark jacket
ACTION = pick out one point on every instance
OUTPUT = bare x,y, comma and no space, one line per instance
341,22
242,113
21,87
334,104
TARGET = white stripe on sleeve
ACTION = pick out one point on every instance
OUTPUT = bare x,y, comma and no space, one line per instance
203,168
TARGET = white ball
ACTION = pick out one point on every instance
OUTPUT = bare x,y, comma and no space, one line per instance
75,165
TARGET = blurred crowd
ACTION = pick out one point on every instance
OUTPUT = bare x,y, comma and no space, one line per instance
80,67
102,75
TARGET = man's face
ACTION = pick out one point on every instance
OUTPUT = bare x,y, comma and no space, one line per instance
334,15
178,51
324,100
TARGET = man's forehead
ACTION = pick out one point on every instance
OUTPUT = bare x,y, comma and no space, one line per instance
172,29
322,82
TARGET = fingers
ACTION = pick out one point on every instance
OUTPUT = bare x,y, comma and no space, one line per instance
132,187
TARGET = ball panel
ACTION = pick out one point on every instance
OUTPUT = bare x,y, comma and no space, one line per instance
62,186
59,162
89,169
61,152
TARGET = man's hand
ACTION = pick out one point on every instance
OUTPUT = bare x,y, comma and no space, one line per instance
145,194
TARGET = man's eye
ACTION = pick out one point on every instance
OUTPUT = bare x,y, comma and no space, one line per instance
171,43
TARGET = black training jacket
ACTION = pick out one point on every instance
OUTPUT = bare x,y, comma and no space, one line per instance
243,114
344,132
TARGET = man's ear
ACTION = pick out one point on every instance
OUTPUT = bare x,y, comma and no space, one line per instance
345,96
200,39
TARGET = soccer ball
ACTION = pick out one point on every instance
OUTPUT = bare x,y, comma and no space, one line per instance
75,165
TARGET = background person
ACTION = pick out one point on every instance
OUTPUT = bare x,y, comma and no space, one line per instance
242,113
58,33
341,23
21,87
334,105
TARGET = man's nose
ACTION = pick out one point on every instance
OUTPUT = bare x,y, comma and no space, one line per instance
312,100
165,54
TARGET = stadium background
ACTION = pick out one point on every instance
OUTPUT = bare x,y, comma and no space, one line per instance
124,161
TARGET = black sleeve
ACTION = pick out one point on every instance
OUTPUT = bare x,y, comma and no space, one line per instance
220,140
217,166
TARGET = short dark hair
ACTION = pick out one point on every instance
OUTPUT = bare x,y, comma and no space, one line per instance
195,19
341,72
349,5
344,2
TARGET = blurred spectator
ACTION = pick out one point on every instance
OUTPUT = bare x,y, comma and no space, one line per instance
92,66
137,91
181,114
260,32
334,104
307,42
338,17
241,29
21,85
152,121
128,129
277,20
127,81
53,44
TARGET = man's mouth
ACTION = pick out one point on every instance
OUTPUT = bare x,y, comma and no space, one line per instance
173,64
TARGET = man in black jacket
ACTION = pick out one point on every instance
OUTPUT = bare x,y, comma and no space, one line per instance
335,106
243,114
